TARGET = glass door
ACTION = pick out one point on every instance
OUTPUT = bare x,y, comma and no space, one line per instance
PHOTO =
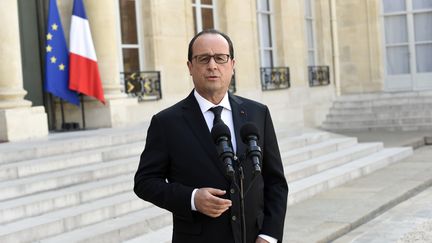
422,21
408,44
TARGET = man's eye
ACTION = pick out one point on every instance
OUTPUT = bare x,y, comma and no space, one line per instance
203,59
219,58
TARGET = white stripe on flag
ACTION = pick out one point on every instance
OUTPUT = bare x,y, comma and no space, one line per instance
81,42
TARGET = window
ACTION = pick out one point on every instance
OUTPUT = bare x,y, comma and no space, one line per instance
408,35
310,32
203,13
130,44
264,12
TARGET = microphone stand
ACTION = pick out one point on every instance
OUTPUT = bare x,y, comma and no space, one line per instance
242,195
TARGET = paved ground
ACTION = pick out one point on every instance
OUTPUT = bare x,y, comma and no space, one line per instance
410,221
401,191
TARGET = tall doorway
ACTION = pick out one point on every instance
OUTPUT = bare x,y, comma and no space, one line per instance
32,20
408,44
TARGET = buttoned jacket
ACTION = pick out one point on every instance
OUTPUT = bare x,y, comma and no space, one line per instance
180,155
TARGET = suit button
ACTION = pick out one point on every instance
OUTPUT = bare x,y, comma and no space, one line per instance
232,190
234,218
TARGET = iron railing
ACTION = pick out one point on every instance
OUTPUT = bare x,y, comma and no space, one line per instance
146,85
275,78
319,75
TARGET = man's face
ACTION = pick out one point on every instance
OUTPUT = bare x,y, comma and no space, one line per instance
211,79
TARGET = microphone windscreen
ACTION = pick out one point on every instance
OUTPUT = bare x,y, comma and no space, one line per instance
247,130
220,130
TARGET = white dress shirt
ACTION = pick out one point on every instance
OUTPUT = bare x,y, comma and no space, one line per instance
226,114
227,118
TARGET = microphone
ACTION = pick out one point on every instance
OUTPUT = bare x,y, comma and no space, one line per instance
250,136
222,137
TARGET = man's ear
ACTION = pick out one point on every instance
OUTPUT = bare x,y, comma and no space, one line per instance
189,65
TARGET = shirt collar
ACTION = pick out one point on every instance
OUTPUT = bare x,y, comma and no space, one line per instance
205,105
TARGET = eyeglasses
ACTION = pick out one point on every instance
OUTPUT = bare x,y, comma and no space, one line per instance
218,58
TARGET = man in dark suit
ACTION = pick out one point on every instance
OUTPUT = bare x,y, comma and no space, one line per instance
179,169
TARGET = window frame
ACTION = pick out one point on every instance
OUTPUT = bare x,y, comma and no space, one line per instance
197,6
263,49
311,19
139,45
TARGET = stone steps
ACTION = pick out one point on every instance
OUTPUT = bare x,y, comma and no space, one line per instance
339,211
359,116
292,142
89,197
64,220
384,96
61,143
376,127
162,235
118,229
315,150
409,111
37,204
95,169
315,165
312,185
61,179
32,167
381,103
379,121
310,177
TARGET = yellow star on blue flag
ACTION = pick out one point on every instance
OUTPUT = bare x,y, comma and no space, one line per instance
57,59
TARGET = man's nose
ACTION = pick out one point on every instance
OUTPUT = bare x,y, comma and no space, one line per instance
212,63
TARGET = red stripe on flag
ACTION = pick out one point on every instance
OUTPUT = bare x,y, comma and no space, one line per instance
84,77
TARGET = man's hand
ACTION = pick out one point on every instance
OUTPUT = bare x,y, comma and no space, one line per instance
208,202
260,240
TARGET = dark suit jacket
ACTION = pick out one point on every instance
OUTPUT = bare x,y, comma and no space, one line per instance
180,156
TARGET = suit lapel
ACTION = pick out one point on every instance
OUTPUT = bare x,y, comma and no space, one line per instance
239,118
197,124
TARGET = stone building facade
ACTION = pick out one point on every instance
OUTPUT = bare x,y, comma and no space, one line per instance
330,47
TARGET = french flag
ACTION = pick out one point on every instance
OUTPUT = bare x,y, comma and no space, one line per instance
84,74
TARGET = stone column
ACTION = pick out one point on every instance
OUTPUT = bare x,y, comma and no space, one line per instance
240,23
18,120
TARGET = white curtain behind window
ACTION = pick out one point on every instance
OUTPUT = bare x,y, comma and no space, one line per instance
422,4
310,35
396,29
398,60
391,6
423,40
396,39
265,32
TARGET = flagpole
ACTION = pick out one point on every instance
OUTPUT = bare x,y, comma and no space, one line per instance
51,110
82,111
62,114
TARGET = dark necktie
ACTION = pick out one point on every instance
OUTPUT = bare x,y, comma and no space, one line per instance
217,111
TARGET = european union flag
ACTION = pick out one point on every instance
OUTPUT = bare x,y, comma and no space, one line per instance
57,58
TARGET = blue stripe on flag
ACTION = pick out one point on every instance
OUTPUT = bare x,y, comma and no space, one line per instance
78,9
